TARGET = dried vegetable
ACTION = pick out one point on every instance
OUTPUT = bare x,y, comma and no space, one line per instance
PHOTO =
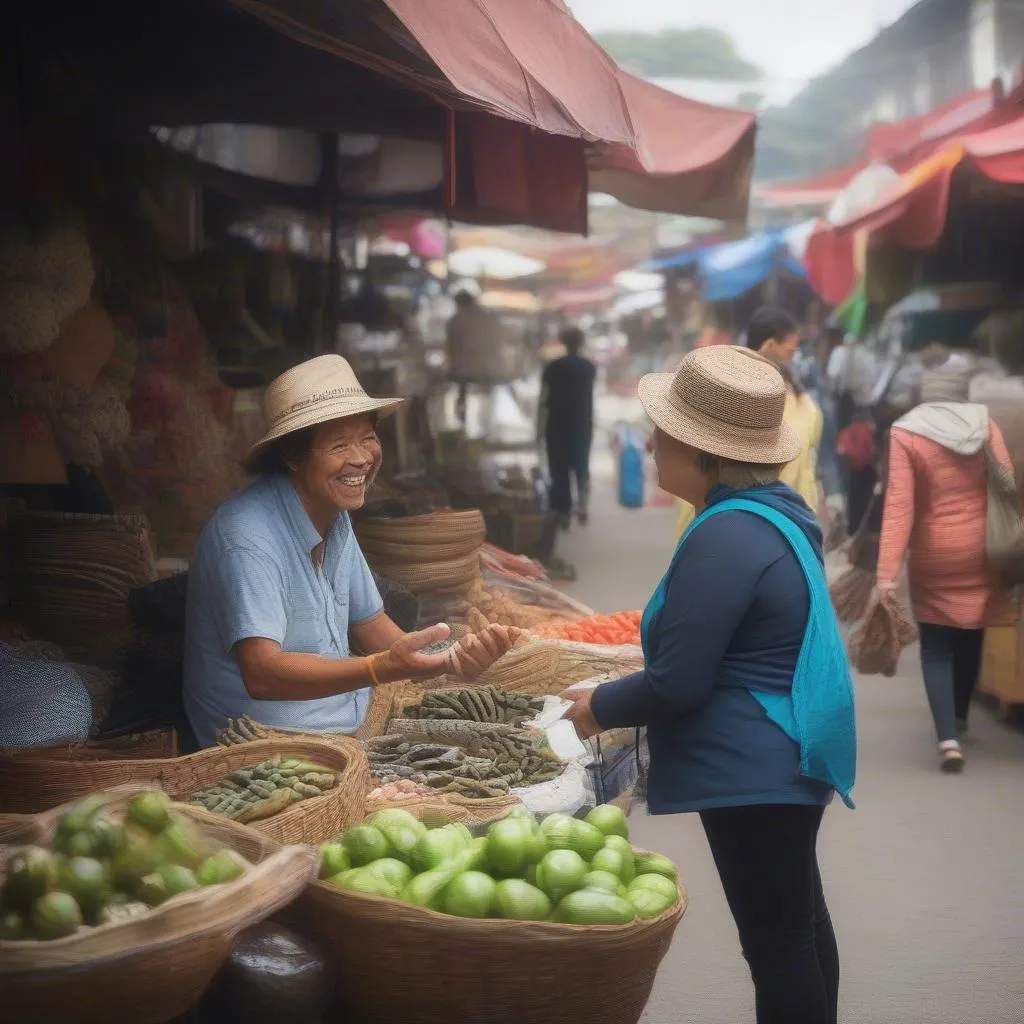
476,704
265,789
620,628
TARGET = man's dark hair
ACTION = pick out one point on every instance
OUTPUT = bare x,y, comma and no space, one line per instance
280,455
767,323
572,339
463,299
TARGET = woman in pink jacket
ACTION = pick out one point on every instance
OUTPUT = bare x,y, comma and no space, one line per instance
935,503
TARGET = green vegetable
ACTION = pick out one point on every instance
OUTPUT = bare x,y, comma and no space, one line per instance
87,881
655,883
363,880
471,894
365,844
612,862
436,847
80,815
152,889
655,864
649,903
30,875
507,846
401,829
393,871
179,843
218,868
611,820
516,900
55,915
628,857
585,839
334,859
12,926
560,873
594,906
151,811
558,830
604,880
177,879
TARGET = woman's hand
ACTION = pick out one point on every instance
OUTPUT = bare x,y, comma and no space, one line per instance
580,714
477,652
888,594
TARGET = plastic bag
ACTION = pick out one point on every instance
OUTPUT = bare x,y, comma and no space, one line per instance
632,480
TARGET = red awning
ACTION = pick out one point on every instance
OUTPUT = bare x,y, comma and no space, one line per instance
531,63
901,145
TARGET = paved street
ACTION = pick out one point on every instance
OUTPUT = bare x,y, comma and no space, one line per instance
925,880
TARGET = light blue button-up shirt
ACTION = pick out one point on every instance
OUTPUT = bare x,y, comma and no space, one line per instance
252,575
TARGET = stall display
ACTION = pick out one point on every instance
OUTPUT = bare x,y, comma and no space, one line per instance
620,628
522,896
182,884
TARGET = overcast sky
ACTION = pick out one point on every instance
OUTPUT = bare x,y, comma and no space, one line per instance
793,40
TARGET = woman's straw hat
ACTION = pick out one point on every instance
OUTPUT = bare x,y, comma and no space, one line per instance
725,401
320,389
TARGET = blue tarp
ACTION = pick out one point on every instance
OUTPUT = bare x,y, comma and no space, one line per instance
729,269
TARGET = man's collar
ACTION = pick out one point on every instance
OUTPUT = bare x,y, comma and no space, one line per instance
296,515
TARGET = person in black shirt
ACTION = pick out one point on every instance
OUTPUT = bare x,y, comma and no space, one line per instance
567,425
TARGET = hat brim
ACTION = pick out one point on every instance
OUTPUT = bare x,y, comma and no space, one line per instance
324,412
696,429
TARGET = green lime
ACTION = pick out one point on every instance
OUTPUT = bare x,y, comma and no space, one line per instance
471,894
30,874
365,844
516,900
594,906
611,820
221,867
150,810
560,873
55,915
87,880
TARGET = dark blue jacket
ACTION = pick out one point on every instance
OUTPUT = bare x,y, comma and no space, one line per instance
735,612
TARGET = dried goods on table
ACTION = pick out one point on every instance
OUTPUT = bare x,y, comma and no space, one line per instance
265,789
476,704
620,628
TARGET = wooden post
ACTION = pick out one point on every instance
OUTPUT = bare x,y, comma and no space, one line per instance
327,341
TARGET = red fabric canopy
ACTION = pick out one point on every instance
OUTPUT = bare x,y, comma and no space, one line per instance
901,145
529,62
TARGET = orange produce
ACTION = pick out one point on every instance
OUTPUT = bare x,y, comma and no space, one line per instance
620,628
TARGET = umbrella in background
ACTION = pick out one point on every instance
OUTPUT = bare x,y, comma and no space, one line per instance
500,264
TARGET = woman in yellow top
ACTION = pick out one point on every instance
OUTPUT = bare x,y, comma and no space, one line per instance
775,334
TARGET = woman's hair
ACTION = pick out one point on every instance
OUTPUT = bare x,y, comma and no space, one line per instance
738,475
767,323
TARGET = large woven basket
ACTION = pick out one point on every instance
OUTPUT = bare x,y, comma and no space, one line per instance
155,967
455,574
31,785
137,746
443,527
395,962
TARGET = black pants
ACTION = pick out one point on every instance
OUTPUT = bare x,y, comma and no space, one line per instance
569,457
950,663
767,860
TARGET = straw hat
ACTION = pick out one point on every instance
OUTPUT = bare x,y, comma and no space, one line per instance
320,389
725,401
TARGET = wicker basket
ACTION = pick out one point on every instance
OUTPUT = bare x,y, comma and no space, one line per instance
389,552
155,967
418,577
29,785
443,527
395,962
139,746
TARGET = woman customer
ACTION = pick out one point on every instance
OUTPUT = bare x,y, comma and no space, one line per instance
283,620
776,336
935,504
746,692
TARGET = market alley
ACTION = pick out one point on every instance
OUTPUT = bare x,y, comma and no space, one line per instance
923,879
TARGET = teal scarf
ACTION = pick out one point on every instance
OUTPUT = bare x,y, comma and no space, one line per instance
818,712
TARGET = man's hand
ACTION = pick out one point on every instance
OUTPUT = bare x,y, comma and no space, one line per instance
477,652
580,714
403,659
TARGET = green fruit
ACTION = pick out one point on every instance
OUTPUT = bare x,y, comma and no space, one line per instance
655,864
611,861
150,810
334,859
109,837
516,900
610,820
179,843
221,867
80,815
594,906
558,831
585,839
396,817
402,838
530,874
471,894
77,844
177,879
536,846
522,814
622,846
395,872
604,880
87,881
135,860
366,844
474,857
30,875
12,926
461,829
649,903
507,847
560,873
55,915
365,882
655,883
436,847
152,889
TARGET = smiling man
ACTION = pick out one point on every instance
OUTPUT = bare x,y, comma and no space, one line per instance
284,621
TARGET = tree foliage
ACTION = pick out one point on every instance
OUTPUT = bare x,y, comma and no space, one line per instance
680,53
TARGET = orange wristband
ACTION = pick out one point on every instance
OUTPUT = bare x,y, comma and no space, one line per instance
372,670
